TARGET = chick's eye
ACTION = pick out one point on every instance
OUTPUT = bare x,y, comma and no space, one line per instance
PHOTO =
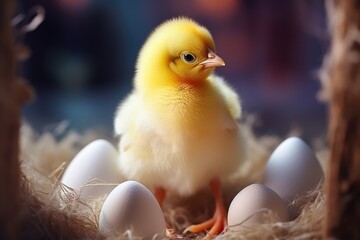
188,57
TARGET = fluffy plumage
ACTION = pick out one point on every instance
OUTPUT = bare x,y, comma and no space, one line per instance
178,126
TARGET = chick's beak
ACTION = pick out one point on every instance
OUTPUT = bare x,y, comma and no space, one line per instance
213,60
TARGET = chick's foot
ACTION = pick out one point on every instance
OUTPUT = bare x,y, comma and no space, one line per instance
218,222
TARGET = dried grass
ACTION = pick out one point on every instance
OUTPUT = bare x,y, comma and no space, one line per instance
48,214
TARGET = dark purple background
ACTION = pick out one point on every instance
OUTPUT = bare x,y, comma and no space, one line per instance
83,58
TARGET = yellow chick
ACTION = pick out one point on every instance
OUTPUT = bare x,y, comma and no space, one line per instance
178,126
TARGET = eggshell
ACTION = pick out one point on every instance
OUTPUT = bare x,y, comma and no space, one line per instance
96,163
131,206
252,204
292,169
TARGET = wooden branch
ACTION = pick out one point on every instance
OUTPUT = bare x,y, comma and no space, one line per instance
12,94
343,183
9,130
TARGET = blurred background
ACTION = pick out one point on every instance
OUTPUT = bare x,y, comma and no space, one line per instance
84,53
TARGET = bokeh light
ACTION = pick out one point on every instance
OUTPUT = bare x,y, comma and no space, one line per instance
83,57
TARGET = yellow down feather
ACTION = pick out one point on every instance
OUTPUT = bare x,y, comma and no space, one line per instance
178,126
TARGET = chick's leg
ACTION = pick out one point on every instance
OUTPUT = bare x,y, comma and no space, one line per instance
218,222
160,194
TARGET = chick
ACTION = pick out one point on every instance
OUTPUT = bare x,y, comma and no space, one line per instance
178,126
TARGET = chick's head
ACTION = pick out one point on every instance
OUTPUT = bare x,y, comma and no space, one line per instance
179,50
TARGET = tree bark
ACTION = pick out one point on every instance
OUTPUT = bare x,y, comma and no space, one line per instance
12,95
343,71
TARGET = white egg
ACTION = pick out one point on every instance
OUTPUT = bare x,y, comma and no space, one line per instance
253,204
93,172
131,206
292,169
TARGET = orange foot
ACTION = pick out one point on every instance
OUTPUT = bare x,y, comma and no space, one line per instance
218,222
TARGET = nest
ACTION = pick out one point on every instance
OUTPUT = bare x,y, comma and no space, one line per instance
48,214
